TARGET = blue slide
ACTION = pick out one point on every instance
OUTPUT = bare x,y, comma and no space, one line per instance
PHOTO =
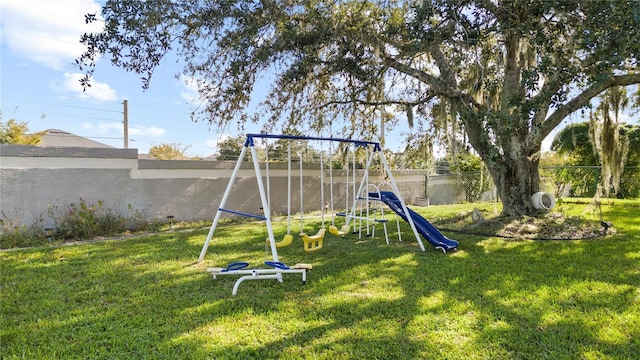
424,227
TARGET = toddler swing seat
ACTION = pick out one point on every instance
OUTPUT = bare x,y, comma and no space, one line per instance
313,242
344,230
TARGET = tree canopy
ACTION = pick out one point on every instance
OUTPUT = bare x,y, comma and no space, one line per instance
230,148
575,147
168,152
508,71
573,142
17,132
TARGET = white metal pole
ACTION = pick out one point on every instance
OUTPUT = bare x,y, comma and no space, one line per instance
265,204
333,217
301,196
266,167
125,121
346,185
223,202
289,187
362,183
396,190
321,187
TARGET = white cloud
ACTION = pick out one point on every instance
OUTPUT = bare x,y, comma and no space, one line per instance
147,131
190,91
214,143
70,84
103,128
46,31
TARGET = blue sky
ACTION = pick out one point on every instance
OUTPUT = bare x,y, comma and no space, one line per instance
39,42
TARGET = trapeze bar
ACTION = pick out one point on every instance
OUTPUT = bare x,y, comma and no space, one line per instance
368,219
243,214
370,198
250,137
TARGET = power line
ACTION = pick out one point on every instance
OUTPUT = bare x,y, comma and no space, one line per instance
105,138
41,36
28,96
135,105
78,107
68,18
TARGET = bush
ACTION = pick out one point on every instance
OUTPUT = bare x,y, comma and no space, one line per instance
13,235
85,221
77,221
475,178
582,181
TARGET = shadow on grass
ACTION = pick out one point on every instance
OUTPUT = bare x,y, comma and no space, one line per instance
144,298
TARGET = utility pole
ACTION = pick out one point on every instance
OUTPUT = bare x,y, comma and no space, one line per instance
125,104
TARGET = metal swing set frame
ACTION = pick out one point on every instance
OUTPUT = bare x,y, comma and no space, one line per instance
277,268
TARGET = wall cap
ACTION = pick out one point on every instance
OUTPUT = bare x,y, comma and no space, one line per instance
15,150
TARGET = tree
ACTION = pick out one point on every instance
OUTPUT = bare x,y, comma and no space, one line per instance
16,132
575,147
475,178
573,143
230,148
418,154
508,71
168,152
611,147
279,149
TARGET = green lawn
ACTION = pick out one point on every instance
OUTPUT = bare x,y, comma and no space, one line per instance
494,298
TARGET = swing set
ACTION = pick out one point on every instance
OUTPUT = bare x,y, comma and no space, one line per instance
360,213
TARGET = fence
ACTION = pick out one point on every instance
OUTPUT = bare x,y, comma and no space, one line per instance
36,179
562,181
582,181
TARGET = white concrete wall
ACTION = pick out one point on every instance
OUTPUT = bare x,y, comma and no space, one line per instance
34,179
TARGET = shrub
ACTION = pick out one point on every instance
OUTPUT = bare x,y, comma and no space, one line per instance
475,178
77,221
13,235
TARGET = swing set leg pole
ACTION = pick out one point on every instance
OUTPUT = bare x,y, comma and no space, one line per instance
223,203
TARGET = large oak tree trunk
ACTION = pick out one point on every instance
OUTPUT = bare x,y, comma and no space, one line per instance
514,166
516,180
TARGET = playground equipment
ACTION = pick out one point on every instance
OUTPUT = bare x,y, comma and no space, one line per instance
397,217
288,238
422,225
333,229
311,242
369,213
363,196
278,268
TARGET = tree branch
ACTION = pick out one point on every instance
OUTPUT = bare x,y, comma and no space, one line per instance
376,103
448,77
425,77
583,99
439,86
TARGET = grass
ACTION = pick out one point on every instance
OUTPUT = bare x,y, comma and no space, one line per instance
494,298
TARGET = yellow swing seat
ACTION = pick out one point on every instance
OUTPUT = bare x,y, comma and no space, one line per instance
344,230
314,242
286,241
